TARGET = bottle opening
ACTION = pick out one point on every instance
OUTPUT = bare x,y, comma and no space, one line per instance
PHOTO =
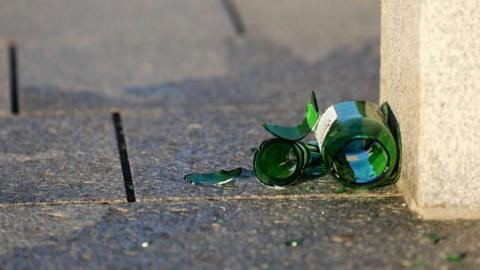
277,163
361,161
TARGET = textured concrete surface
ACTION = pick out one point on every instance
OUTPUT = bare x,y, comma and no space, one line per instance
59,159
4,78
263,73
211,124
312,29
430,62
400,79
67,65
94,48
258,72
193,97
165,145
348,233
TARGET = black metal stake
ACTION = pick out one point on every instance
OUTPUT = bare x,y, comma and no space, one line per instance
12,54
235,16
124,161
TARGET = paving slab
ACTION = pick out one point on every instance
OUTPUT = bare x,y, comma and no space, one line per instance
4,78
258,72
166,144
312,28
255,65
95,48
59,159
342,233
261,72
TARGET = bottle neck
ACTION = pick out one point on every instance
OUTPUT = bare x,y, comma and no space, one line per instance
279,162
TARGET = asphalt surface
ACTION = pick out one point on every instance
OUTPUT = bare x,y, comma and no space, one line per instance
193,93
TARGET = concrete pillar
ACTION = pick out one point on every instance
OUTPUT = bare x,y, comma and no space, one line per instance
430,74
4,77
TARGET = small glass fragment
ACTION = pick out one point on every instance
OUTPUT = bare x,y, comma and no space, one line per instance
340,190
294,242
145,244
215,178
419,264
433,237
456,257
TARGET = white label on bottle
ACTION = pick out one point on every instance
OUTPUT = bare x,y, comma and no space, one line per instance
324,125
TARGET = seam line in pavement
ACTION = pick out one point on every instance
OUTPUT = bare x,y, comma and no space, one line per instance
213,198
291,197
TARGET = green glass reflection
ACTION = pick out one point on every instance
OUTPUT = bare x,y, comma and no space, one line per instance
362,145
362,161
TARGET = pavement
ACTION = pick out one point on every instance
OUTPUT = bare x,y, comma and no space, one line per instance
193,91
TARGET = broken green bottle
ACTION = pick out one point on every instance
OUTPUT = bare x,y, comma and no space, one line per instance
358,141
279,162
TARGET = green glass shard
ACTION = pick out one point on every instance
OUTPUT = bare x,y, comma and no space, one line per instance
300,131
419,264
312,113
457,257
214,178
340,190
433,237
394,127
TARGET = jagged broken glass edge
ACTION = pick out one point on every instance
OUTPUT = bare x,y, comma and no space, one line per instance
297,133
394,127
